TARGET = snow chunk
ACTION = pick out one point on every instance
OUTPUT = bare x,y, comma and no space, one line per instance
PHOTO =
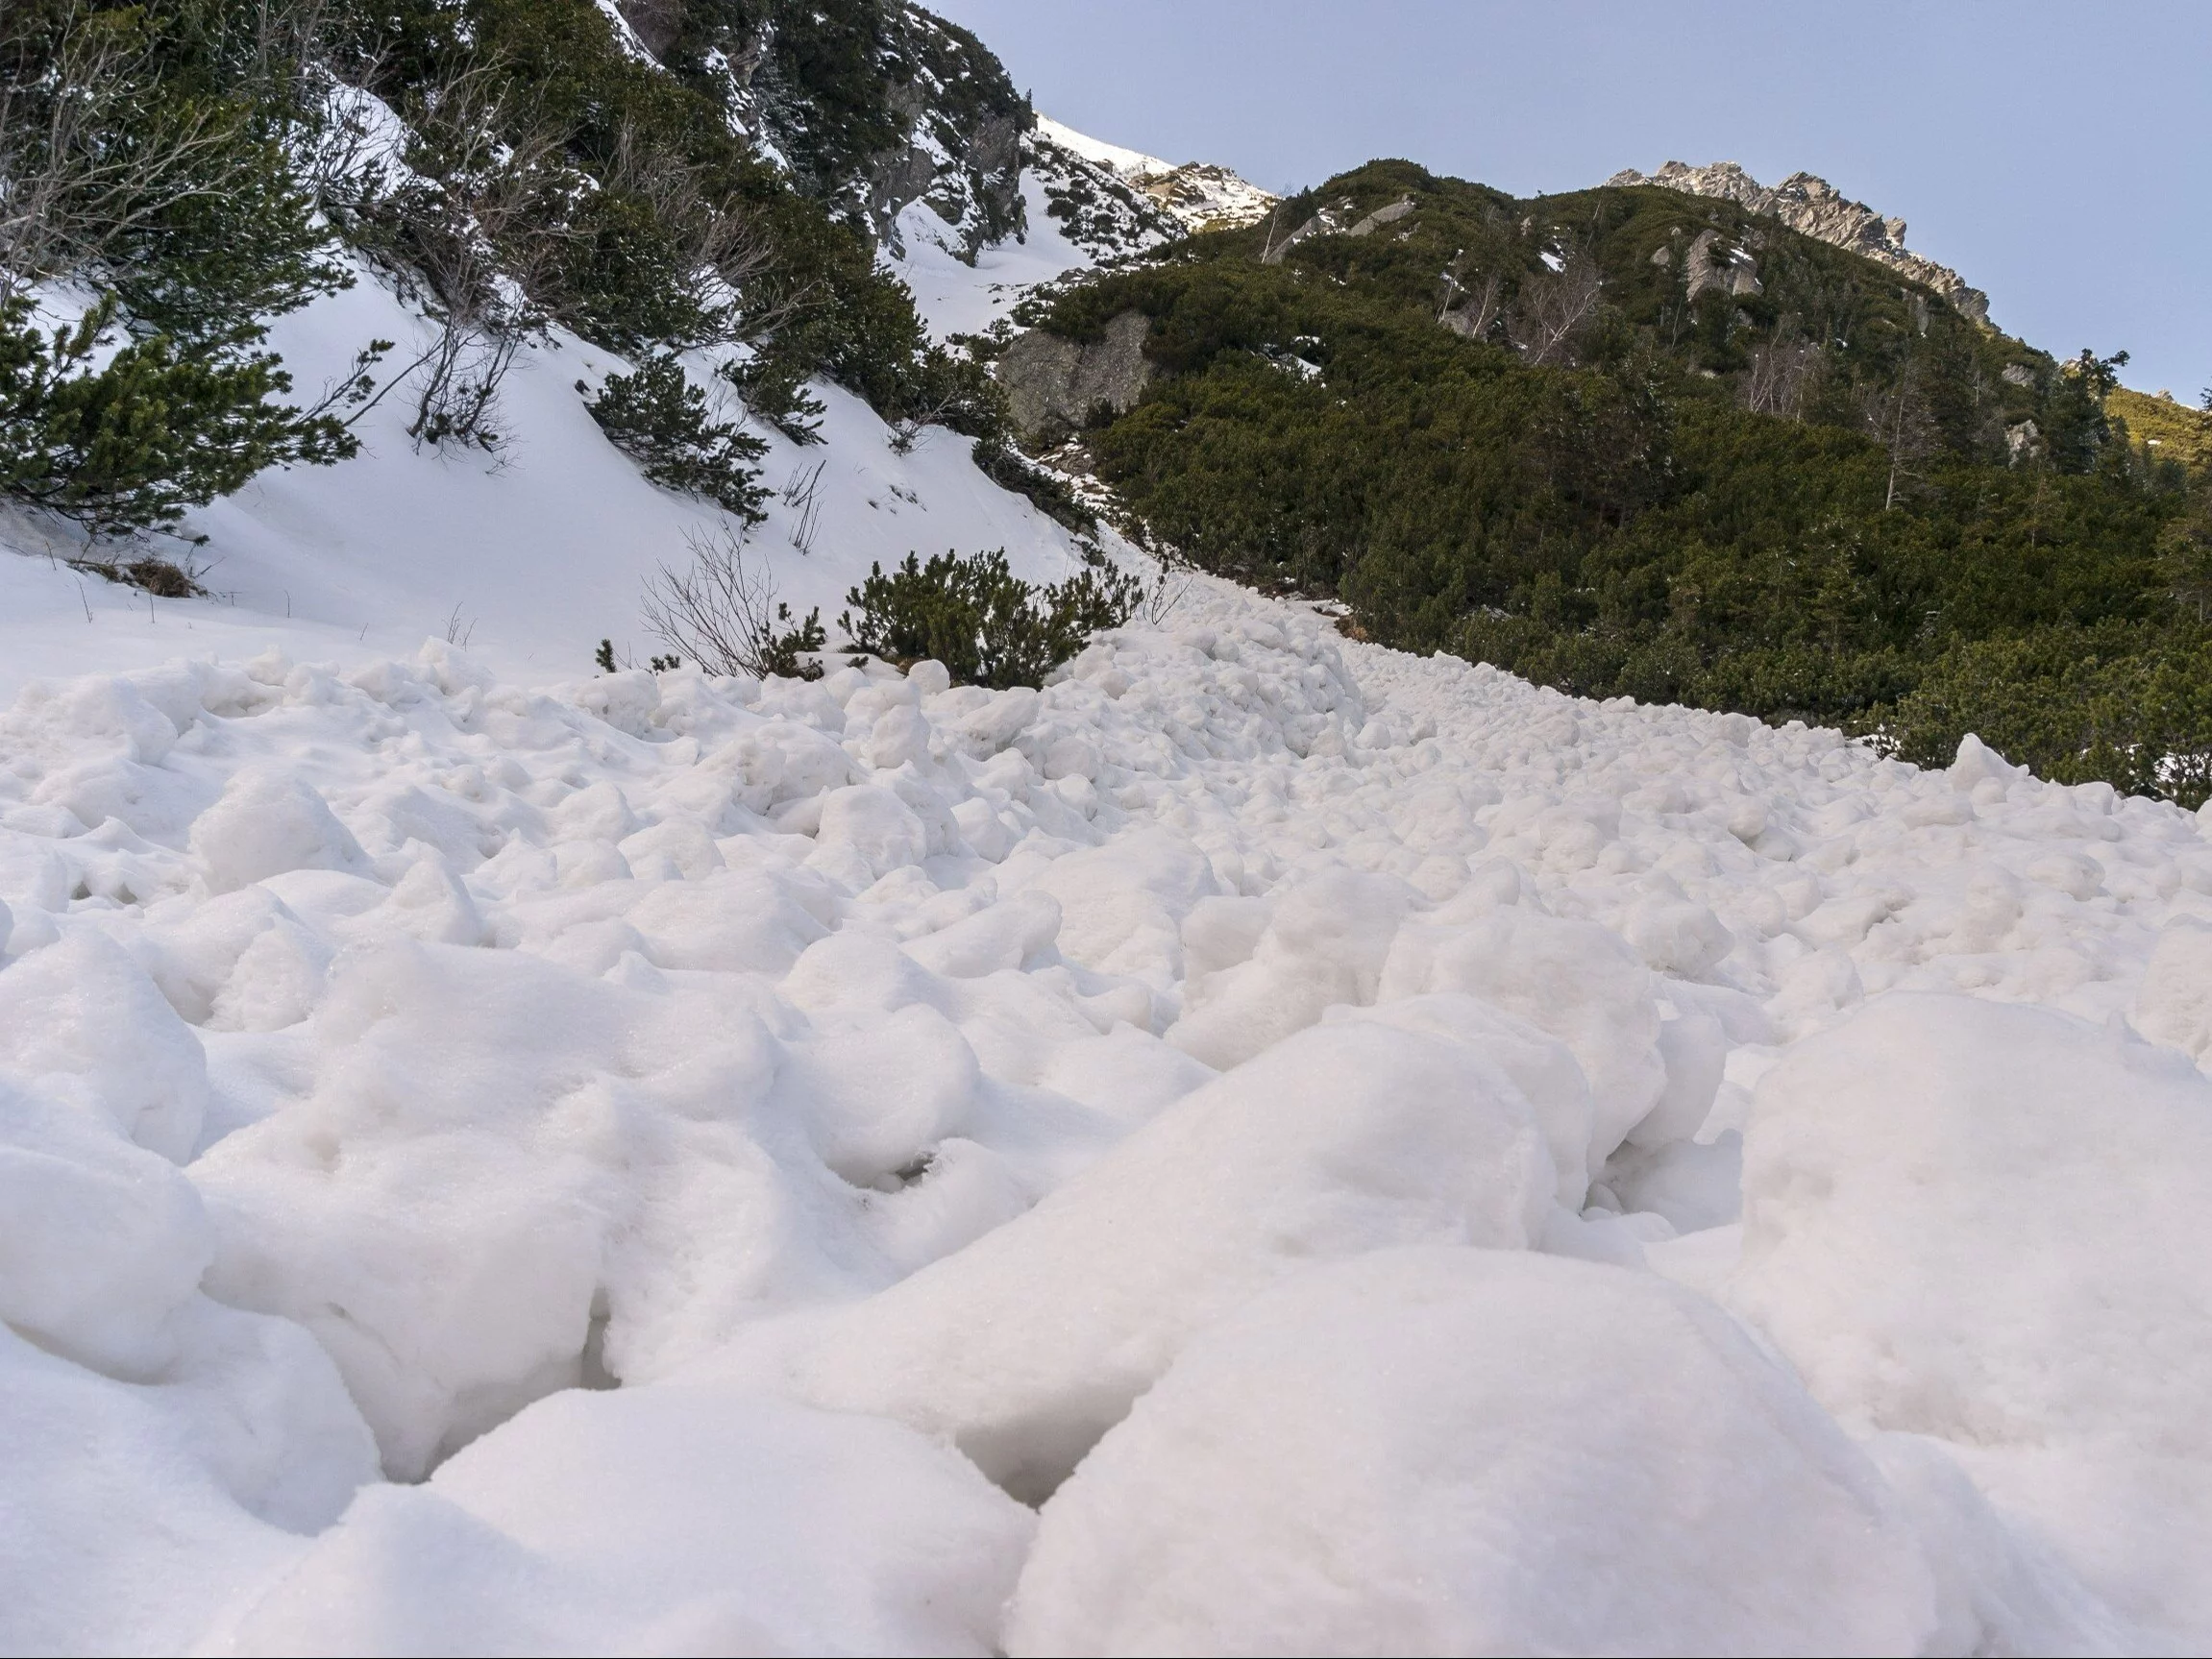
82,1019
670,1519
268,822
1464,1451
1965,1220
1029,1344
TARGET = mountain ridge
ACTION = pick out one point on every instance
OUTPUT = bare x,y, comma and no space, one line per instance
1809,203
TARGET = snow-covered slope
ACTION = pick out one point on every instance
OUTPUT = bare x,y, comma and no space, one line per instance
1084,202
532,555
956,297
1266,1144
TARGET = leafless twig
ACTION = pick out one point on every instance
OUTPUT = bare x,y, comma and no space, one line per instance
71,187
1554,312
803,493
722,612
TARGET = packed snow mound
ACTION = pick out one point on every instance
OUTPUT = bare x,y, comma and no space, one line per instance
1464,1466
660,1161
2005,1292
669,1520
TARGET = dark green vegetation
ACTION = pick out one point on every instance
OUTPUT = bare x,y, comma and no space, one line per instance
2176,431
836,84
197,167
145,172
660,419
987,626
1511,430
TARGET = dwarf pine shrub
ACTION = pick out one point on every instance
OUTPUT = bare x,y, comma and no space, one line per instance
987,626
659,418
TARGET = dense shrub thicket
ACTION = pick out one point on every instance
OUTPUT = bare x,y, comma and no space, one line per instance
1503,429
146,183
201,166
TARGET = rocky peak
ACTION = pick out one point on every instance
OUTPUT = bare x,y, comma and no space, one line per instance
1814,207
1196,195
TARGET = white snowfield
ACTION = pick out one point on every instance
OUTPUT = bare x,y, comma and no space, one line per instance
1268,1145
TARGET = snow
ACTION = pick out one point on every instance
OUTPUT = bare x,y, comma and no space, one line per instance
1128,163
2019,1196
1264,1144
1466,1466
969,1066
531,555
677,1518
957,298
1198,195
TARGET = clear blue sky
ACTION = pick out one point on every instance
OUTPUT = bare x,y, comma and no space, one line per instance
2060,155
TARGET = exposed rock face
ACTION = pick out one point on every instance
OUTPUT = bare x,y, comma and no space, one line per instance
970,177
875,105
1203,196
1816,208
1710,266
656,23
1053,383
1338,221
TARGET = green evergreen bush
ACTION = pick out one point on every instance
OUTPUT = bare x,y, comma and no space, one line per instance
987,626
130,445
790,649
148,159
2121,705
659,418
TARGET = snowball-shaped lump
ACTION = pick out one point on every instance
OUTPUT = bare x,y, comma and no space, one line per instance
874,823
1451,1451
2174,1004
268,822
83,1021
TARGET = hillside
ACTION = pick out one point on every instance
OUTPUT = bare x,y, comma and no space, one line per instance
1125,1117
1631,441
2174,431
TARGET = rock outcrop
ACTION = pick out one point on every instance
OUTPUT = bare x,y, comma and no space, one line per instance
1052,383
1712,266
1339,221
873,106
967,173
1814,207
1195,196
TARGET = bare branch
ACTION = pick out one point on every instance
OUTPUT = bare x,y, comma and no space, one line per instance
1469,311
722,613
1555,312
76,178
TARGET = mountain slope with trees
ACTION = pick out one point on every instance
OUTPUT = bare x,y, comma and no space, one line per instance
1628,442
178,177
